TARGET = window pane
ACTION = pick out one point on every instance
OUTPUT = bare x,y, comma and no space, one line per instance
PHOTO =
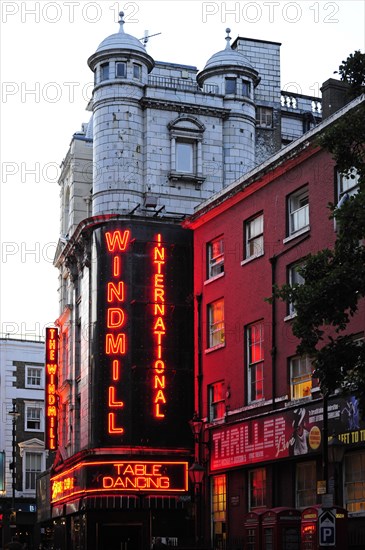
215,257
254,237
257,488
300,377
298,211
120,70
255,357
217,400
34,376
230,85
216,323
306,480
33,466
104,71
184,157
354,470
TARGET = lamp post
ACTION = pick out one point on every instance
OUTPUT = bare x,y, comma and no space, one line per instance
196,474
14,414
336,452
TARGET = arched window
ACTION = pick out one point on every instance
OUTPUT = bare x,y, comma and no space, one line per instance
186,137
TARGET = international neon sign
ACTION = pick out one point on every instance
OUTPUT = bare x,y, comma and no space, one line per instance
159,329
115,337
117,477
51,378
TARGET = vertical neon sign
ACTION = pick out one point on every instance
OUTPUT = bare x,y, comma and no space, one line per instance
159,329
115,338
51,388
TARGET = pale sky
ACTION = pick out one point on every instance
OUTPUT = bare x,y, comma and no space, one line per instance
46,83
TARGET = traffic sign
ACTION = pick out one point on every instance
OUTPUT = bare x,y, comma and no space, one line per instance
327,528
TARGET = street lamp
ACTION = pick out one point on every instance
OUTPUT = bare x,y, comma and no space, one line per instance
196,425
196,474
336,452
14,414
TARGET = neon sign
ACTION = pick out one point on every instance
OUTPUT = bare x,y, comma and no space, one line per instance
115,477
51,388
159,329
115,338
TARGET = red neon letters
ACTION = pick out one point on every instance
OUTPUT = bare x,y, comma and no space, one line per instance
51,388
159,329
115,339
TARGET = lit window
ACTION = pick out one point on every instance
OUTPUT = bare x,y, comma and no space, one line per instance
300,377
306,484
120,70
347,183
34,376
246,88
295,278
185,157
215,257
104,72
231,85
254,237
264,117
216,401
354,469
33,418
257,488
216,323
219,510
137,71
33,467
298,211
255,360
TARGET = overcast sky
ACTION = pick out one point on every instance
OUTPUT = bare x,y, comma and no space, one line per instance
46,83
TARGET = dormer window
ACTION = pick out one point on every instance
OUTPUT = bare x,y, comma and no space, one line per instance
120,70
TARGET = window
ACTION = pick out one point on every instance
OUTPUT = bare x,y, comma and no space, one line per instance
137,71
215,257
216,323
354,470
254,237
186,136
306,484
33,467
298,211
34,377
104,72
246,88
257,488
185,157
300,377
295,278
347,183
33,418
219,510
264,117
255,360
231,85
216,401
120,70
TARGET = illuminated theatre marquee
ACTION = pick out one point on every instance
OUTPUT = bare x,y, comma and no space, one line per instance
115,337
51,388
159,329
106,477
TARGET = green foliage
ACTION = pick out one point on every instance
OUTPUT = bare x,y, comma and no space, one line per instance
335,279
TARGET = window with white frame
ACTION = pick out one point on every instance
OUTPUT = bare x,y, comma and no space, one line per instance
257,488
255,361
34,420
264,117
300,377
347,183
306,484
216,400
186,135
254,237
354,477
34,465
216,323
34,376
215,251
298,211
294,278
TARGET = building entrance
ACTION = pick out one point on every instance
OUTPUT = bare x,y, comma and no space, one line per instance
120,537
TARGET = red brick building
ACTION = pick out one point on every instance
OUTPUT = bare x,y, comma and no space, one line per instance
262,413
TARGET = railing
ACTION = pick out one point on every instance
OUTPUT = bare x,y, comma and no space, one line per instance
298,101
18,336
185,85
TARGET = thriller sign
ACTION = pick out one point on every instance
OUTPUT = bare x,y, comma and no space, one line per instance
51,376
115,477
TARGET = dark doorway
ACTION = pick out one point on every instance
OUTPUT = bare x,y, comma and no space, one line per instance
120,537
